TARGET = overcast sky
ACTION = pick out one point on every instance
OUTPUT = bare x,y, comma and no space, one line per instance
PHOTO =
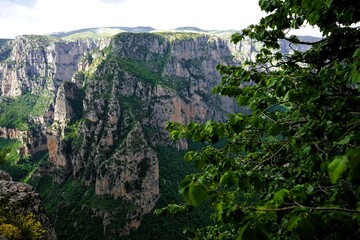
46,16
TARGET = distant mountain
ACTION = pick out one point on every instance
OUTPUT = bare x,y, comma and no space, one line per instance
195,29
199,30
102,31
110,31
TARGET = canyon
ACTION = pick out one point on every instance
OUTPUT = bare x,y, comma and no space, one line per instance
99,113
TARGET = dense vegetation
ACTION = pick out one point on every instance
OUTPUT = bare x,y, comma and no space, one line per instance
76,211
289,170
20,167
15,112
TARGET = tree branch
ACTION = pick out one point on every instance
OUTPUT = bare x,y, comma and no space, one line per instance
301,42
310,208
319,148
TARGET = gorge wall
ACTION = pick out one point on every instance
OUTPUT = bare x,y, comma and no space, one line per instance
100,111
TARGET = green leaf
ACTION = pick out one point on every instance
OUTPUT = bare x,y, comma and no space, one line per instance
293,38
346,139
184,184
298,193
306,150
337,167
280,195
328,3
294,222
313,17
242,100
310,189
189,155
271,82
229,179
241,231
354,165
197,194
357,53
291,96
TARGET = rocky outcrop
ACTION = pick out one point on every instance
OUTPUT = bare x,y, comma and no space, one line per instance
36,63
131,174
12,133
20,198
33,140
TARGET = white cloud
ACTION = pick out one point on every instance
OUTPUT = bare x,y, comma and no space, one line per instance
28,3
46,16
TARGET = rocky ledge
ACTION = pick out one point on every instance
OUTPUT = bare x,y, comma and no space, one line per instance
21,198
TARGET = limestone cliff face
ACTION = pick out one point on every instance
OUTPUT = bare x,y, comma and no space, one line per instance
42,65
22,199
34,140
118,176
150,79
36,63
131,174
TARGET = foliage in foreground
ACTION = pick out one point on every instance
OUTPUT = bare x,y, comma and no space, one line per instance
289,170
17,227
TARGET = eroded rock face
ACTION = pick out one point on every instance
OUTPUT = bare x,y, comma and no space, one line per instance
34,140
36,63
131,174
21,198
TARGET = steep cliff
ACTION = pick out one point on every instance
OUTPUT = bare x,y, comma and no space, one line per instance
103,117
32,69
38,63
149,79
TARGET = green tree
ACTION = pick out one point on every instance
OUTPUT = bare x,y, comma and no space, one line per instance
290,169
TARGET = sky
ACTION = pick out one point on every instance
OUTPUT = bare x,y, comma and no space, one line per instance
19,17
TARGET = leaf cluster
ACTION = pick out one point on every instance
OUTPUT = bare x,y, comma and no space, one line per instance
289,169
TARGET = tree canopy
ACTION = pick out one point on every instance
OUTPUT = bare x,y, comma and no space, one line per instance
290,169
